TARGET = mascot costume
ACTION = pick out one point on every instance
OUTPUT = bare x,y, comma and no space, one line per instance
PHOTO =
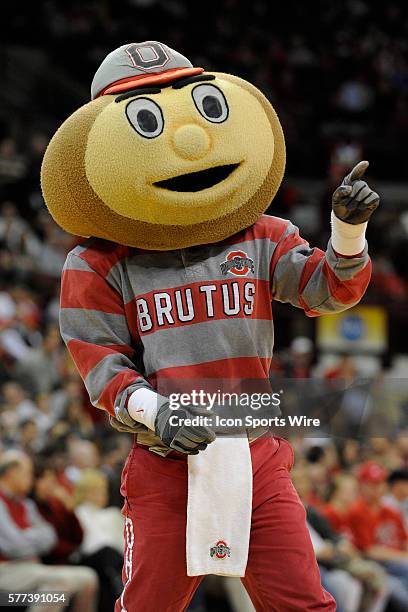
166,174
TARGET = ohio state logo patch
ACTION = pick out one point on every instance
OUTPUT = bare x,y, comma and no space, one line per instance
147,57
220,550
237,263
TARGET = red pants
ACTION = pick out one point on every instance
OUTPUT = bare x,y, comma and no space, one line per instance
282,574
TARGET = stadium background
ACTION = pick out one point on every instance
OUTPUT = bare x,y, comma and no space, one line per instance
337,74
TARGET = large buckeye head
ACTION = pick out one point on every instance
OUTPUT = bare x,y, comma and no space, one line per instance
167,157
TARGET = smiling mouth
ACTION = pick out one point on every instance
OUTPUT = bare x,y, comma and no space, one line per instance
197,181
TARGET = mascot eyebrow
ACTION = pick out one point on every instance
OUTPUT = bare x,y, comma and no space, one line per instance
155,90
192,79
138,92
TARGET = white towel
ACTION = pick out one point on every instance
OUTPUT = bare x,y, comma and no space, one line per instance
219,508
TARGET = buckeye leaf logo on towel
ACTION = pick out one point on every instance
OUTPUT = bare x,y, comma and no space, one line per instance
220,550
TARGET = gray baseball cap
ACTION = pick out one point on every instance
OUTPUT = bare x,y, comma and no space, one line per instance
140,64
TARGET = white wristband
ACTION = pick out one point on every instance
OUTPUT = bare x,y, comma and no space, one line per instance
347,239
143,406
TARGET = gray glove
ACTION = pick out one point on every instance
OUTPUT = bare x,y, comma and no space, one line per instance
123,422
354,202
183,438
119,426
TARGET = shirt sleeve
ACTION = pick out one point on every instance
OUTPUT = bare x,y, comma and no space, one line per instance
94,327
41,534
317,281
16,543
361,530
320,523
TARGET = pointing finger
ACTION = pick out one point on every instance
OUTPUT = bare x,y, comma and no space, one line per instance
356,173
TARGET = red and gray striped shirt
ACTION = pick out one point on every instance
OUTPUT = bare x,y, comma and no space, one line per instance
132,318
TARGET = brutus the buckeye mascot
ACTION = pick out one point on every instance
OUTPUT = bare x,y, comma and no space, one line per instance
167,173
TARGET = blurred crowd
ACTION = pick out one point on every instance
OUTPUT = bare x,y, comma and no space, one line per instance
356,502
337,74
334,70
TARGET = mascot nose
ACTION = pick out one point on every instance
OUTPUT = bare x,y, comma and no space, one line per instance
191,141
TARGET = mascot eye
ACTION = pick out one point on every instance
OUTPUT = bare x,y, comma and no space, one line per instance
210,103
146,117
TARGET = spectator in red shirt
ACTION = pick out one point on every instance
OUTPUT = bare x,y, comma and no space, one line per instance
378,530
344,493
25,537
56,507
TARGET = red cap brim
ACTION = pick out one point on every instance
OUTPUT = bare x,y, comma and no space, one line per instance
149,79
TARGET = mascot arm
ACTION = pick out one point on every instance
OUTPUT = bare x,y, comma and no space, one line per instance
317,281
94,327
